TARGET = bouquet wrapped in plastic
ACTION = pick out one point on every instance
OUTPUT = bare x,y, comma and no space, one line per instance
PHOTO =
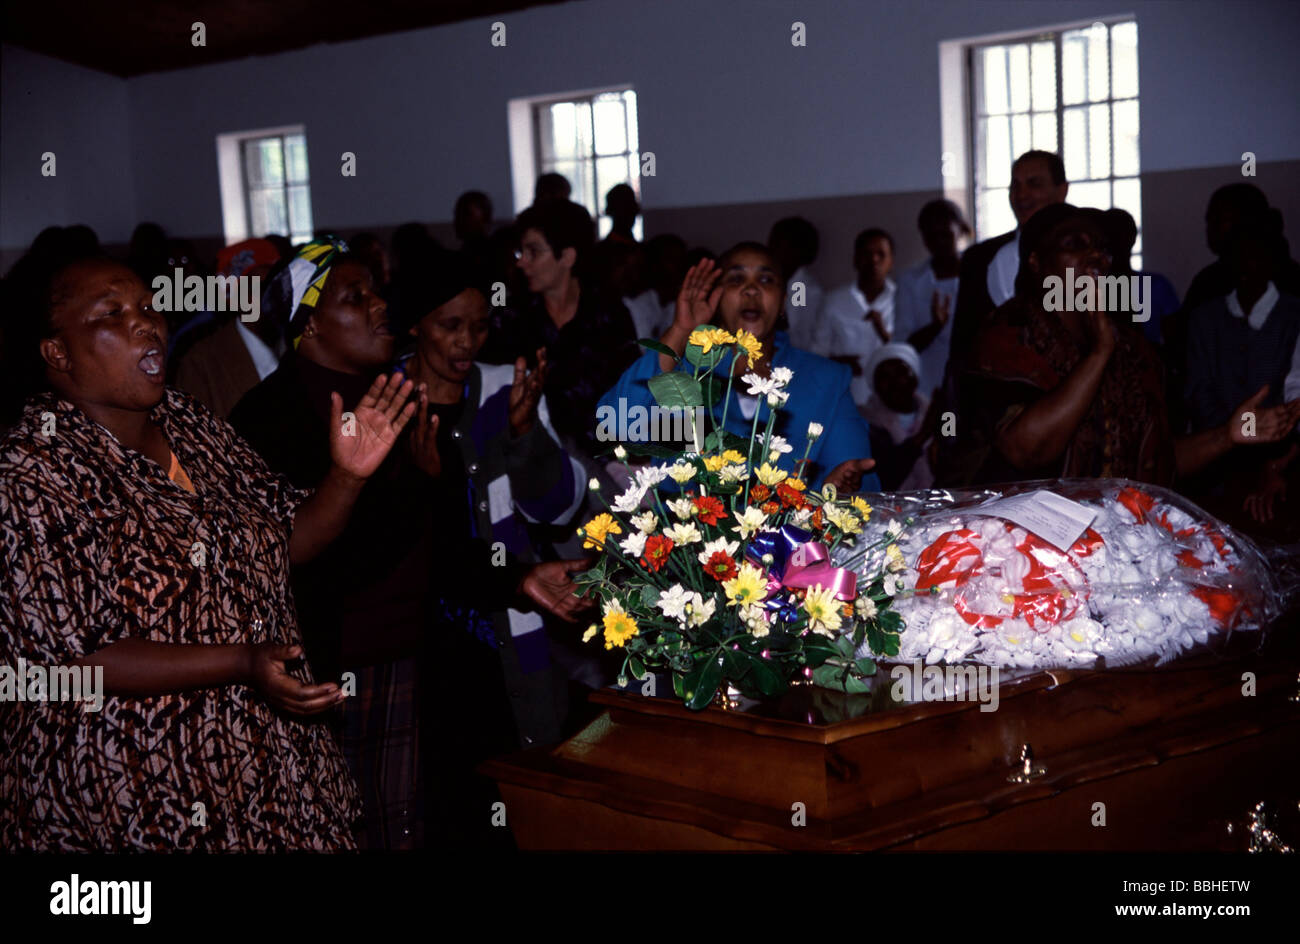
1071,573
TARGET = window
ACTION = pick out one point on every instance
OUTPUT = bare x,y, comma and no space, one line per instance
591,138
265,186
1072,91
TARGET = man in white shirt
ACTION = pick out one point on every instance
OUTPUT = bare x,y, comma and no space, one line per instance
794,242
927,292
988,269
858,318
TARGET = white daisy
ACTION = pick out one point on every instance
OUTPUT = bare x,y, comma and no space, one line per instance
721,544
673,601
685,533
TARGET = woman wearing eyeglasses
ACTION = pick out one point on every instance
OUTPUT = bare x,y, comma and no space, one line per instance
589,338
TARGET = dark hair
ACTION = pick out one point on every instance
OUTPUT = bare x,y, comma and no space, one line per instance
564,225
874,232
1055,166
471,198
1244,197
32,290
800,234
1258,227
550,181
939,213
751,246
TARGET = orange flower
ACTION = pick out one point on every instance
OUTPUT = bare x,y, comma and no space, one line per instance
709,509
770,508
657,548
818,519
759,493
790,497
721,566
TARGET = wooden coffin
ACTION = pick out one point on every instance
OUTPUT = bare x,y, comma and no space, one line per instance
1179,757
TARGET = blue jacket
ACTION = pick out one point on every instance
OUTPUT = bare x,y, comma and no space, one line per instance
819,393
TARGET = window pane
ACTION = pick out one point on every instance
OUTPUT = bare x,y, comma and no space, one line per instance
300,209
1044,66
629,109
1075,144
993,214
1094,194
296,158
611,125
1123,40
1045,132
995,80
1073,68
610,171
268,212
634,174
1019,79
263,162
1099,140
1020,138
996,150
1126,138
1098,64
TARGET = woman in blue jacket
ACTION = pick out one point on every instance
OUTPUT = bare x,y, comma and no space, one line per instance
745,291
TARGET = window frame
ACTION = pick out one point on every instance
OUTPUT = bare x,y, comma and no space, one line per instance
973,72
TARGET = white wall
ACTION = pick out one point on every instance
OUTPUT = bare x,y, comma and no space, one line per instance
83,117
732,111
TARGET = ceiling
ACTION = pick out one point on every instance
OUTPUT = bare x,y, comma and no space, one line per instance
132,37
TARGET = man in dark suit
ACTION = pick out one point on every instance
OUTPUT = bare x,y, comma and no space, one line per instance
987,280
1037,180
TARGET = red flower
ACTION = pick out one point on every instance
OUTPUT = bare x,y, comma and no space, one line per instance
721,566
656,551
790,497
759,493
769,508
709,509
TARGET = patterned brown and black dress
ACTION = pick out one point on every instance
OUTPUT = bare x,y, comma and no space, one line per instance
100,545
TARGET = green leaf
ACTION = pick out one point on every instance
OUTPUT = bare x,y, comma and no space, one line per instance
649,596
653,450
767,676
679,684
654,345
674,389
636,668
835,678
865,666
702,684
696,356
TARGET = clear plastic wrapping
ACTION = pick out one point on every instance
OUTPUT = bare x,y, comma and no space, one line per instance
1150,578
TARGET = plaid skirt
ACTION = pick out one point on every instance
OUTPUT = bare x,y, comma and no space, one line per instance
380,740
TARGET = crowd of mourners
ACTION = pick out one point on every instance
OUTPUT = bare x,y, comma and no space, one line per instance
325,557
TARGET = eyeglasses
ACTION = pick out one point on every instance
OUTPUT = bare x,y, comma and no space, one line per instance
531,252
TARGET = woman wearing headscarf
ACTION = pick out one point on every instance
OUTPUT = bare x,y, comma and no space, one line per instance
366,605
144,540
901,419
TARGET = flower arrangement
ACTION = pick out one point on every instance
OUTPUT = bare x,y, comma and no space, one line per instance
715,566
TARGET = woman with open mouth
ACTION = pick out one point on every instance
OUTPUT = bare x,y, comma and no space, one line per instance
143,537
745,291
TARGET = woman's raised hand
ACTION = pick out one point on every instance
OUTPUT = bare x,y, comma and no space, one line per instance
526,393
698,298
360,445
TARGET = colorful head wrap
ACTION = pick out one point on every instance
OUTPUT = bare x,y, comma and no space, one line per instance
293,293
239,258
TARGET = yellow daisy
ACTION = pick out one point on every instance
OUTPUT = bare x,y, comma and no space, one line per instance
823,610
706,338
862,507
750,345
768,475
714,463
619,628
598,528
733,457
746,587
